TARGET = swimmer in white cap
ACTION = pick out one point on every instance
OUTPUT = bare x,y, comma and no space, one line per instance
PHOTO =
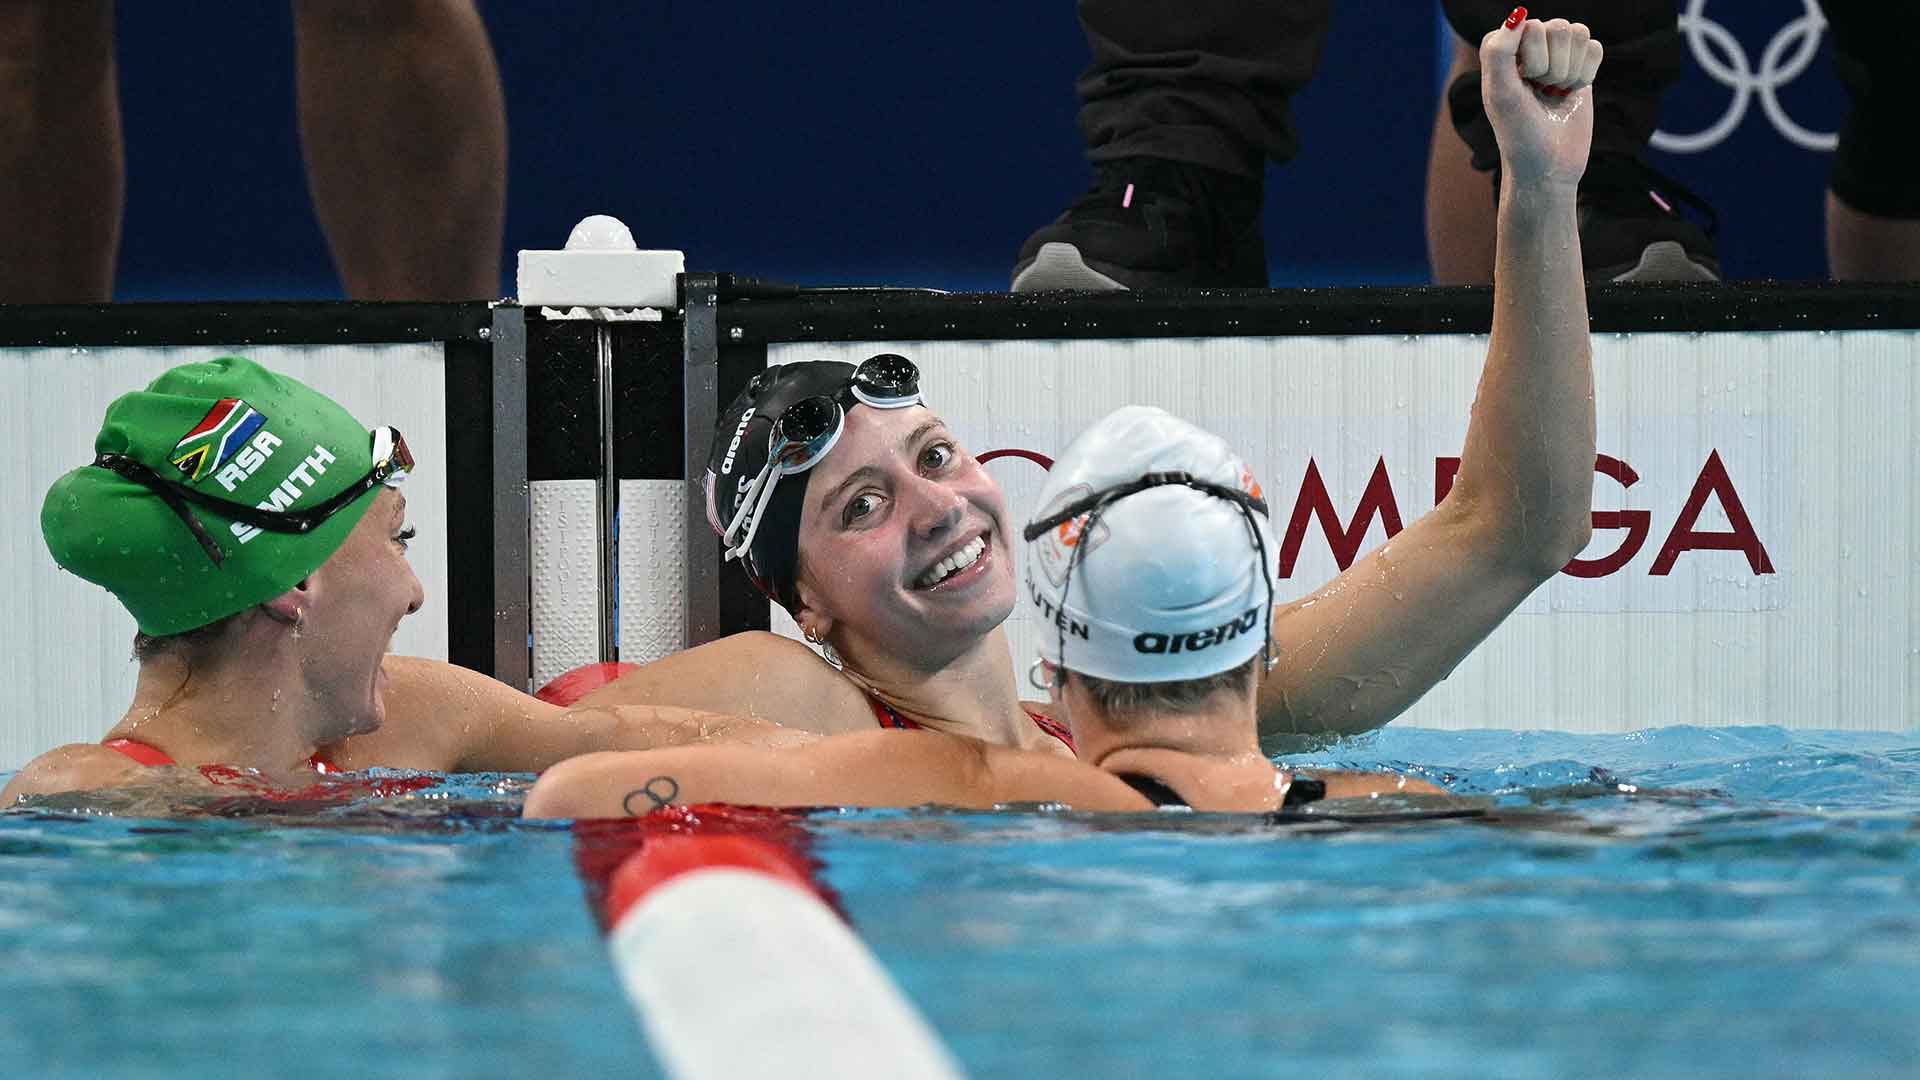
1153,562
852,504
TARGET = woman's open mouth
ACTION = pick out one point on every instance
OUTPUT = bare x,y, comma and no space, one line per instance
959,568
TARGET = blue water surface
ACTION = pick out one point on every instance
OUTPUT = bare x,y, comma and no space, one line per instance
1677,902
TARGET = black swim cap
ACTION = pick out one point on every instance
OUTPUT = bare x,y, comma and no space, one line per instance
742,442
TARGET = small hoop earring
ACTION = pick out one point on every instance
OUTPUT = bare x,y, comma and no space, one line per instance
808,633
1038,683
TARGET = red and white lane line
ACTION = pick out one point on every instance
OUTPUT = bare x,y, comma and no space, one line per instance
738,965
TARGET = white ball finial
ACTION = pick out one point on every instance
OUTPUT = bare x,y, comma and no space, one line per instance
600,268
600,233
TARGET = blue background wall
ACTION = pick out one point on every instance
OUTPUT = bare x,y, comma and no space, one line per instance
851,142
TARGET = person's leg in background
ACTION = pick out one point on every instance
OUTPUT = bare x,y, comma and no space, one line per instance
1873,193
1630,225
1182,107
1460,217
404,129
62,169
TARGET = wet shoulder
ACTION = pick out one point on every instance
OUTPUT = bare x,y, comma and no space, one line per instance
73,767
756,674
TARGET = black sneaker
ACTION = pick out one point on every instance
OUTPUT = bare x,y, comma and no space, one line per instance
1151,223
1631,228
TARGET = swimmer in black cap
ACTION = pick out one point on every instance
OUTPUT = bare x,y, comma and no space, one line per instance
855,508
1156,682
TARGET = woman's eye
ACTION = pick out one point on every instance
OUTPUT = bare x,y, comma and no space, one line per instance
860,506
937,456
404,535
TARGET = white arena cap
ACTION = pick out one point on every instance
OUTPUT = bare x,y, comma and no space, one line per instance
1168,581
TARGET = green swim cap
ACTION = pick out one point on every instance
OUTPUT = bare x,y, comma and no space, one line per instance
229,429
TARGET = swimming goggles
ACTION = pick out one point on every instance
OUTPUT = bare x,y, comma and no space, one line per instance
392,460
1095,504
804,431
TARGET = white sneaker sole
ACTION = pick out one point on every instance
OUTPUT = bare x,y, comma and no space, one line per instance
1059,266
1666,260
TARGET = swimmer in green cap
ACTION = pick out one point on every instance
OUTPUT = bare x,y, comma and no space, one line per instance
258,535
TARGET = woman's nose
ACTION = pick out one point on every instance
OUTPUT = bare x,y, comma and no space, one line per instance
937,508
419,597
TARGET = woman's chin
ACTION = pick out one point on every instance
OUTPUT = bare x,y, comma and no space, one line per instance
981,613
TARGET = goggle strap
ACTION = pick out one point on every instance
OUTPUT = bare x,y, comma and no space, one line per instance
759,494
877,402
728,531
139,474
1146,481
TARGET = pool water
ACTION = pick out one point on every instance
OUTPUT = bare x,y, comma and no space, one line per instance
1684,901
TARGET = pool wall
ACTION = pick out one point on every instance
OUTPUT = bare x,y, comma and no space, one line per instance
1754,492
1755,518
1754,502
66,668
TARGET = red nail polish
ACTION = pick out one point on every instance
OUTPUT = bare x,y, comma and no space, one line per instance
1519,16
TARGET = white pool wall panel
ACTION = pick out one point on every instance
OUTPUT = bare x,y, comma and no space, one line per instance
1813,432
653,569
66,646
565,566
566,573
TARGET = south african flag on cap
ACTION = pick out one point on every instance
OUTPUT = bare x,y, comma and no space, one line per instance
217,437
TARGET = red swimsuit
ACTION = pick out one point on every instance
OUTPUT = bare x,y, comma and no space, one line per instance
228,776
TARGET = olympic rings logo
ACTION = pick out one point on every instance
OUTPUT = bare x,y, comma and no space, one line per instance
1721,57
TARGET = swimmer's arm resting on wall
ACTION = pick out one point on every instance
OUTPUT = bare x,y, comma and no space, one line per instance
870,768
445,718
755,674
1364,647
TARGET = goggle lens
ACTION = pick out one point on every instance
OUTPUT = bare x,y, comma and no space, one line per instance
392,459
887,375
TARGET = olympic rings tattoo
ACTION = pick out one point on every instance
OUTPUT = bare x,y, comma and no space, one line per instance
669,790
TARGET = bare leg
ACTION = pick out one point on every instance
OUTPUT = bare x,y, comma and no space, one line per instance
1867,247
405,134
62,174
1460,205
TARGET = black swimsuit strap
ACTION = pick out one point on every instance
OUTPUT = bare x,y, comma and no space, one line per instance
1299,793
1303,791
1156,792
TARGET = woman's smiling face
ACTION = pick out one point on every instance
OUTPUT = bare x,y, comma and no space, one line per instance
903,542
